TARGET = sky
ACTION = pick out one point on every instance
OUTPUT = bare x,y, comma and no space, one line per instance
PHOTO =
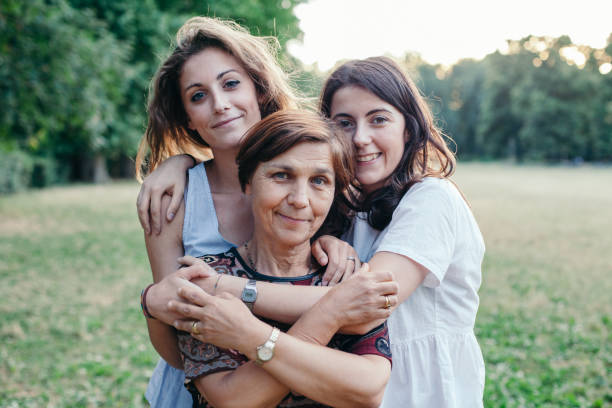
440,31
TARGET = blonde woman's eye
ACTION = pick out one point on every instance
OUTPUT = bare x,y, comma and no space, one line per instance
232,83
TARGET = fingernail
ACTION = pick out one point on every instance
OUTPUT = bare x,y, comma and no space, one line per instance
170,216
175,323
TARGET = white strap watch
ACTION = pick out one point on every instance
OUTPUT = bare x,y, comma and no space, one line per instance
265,352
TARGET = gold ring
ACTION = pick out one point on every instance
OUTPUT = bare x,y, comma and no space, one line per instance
387,302
194,327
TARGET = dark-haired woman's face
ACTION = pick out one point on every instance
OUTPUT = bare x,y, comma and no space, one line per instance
376,128
219,98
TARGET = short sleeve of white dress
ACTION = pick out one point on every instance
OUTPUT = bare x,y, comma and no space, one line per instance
424,227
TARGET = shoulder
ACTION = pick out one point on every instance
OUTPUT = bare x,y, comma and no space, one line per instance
198,169
430,194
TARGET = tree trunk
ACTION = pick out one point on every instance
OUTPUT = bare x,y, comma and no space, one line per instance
100,172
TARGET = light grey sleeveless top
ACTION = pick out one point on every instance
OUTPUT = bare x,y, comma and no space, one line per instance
200,227
200,237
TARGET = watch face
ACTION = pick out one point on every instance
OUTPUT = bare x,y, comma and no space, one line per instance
265,353
249,295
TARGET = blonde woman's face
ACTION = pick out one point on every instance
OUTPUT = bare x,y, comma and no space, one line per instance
377,130
219,98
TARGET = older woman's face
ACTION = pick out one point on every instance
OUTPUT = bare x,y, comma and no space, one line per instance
292,193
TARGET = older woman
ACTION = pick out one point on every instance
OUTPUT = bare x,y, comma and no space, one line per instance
292,165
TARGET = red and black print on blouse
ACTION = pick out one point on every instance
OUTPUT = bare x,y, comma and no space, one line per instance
203,359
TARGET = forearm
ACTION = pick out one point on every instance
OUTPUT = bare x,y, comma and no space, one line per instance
279,302
301,368
164,340
304,367
248,385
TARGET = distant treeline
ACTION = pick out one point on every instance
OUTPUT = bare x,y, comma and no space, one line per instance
545,100
74,78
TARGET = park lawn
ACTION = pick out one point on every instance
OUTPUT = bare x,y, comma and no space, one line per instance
72,264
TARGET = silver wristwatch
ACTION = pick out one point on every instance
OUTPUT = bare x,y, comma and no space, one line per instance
265,352
249,294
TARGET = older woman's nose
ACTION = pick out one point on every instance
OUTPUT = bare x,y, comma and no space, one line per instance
298,196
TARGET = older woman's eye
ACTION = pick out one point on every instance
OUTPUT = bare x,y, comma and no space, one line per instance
280,176
320,180
197,96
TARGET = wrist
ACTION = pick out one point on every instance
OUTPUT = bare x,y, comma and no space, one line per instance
255,334
328,313
143,302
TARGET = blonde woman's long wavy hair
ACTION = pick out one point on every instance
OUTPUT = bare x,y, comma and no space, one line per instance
167,132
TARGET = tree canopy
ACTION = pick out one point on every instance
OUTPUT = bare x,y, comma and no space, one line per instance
74,76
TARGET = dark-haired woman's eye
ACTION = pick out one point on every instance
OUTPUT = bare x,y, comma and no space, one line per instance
345,124
379,120
197,96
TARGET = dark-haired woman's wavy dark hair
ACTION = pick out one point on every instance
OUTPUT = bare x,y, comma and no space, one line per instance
425,151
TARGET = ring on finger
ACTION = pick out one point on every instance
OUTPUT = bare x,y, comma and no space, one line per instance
350,258
194,327
387,302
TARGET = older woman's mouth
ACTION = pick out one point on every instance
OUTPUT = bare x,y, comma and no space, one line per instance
291,219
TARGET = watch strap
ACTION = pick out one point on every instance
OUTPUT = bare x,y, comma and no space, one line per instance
270,344
249,293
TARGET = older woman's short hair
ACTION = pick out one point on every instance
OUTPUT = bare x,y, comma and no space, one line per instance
281,131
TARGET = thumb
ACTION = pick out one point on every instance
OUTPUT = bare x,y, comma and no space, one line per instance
197,271
365,267
187,260
319,254
177,199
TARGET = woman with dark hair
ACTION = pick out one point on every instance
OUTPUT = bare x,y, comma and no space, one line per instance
413,221
292,165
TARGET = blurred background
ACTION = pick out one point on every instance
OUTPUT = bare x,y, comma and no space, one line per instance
524,89
74,75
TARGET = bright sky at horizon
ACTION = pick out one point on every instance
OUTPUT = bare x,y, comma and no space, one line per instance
440,31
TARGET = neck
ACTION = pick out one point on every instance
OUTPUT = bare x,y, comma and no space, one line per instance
276,259
223,172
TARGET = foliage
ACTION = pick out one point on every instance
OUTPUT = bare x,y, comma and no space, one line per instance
74,74
533,103
15,171
73,262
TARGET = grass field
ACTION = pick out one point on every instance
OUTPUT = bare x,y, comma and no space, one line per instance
72,264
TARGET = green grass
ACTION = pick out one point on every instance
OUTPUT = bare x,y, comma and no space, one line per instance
72,264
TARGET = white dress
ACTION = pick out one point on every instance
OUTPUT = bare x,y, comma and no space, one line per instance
436,359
